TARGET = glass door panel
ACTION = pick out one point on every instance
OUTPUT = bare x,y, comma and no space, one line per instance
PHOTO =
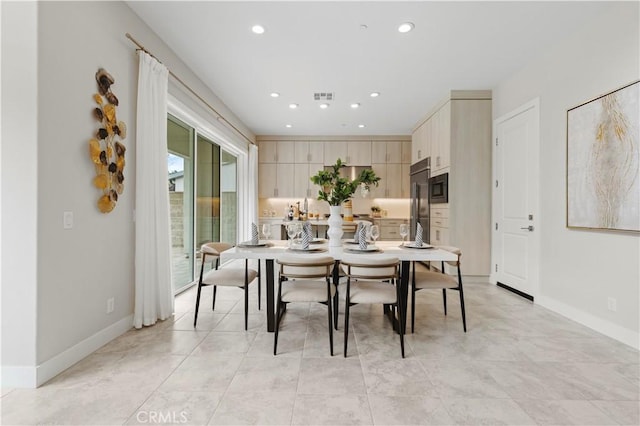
180,169
229,198
207,192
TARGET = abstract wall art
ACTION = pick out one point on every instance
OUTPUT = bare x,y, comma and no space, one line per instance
603,188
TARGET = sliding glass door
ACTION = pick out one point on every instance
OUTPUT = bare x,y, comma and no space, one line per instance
203,197
180,168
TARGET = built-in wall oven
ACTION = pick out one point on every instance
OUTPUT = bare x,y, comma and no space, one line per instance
439,189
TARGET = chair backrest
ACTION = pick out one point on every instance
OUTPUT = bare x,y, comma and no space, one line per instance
213,250
305,267
361,266
454,250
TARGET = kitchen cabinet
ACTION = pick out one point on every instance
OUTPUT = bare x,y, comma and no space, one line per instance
461,146
405,191
405,152
421,142
389,228
334,150
390,184
352,153
303,187
276,152
308,152
387,151
275,180
359,153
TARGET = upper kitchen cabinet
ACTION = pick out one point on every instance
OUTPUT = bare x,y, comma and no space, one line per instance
352,153
334,150
441,138
309,152
406,152
276,152
421,142
389,151
359,153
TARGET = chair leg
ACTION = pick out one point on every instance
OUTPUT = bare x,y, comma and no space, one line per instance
259,285
246,306
195,317
346,324
444,300
275,336
330,315
464,319
413,306
213,305
336,309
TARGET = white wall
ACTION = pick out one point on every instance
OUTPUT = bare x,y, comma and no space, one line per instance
46,170
18,177
580,269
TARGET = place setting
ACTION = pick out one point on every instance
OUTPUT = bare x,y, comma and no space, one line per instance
418,243
303,244
360,242
255,241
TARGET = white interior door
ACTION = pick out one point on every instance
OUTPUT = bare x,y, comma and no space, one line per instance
516,217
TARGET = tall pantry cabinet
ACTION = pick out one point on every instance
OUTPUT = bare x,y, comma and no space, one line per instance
456,134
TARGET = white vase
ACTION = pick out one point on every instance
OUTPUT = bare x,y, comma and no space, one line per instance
335,227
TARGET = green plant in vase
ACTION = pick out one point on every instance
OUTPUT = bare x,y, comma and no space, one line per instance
335,189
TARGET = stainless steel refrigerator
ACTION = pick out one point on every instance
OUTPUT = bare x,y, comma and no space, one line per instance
419,175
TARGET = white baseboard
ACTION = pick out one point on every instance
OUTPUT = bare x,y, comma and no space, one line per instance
32,377
609,329
56,365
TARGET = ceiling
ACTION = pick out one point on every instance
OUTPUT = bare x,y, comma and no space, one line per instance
313,47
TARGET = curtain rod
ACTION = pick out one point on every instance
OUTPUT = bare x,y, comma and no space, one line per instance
219,117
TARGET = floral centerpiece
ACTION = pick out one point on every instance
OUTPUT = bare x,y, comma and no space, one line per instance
335,189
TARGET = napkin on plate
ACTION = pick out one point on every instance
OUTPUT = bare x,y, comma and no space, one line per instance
306,236
418,242
356,235
362,237
254,235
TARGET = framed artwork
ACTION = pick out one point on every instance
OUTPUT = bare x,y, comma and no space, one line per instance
603,189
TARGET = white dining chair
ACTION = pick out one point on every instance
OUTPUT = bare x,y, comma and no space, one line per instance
429,279
372,280
304,279
228,277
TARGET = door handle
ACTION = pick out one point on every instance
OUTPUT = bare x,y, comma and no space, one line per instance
528,228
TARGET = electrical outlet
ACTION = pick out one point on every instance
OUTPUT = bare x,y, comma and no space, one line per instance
612,304
67,220
110,305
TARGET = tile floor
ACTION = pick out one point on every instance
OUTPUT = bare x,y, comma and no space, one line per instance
517,364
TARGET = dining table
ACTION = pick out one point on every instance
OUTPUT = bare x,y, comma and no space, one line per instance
271,251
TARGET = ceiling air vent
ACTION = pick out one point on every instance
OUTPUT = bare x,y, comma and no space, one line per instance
323,96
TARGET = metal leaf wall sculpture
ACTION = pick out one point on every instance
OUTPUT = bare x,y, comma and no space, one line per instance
106,148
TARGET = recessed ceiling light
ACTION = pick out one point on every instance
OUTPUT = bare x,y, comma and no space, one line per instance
258,29
288,126
355,105
361,125
405,27
324,106
293,106
363,26
275,94
375,94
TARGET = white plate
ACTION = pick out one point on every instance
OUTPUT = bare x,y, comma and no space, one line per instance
353,242
248,244
369,249
309,250
318,241
412,245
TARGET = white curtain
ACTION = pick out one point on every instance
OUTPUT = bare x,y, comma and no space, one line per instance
252,192
153,292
